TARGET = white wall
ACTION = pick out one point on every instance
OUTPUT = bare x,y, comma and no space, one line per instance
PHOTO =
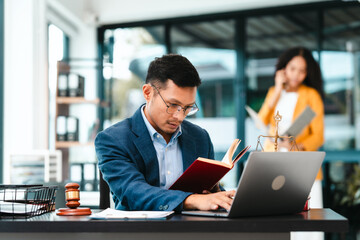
68,16
116,11
26,70
25,82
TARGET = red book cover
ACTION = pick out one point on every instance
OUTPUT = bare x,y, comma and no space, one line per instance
201,175
204,174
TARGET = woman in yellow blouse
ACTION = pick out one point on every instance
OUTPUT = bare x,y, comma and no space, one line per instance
298,84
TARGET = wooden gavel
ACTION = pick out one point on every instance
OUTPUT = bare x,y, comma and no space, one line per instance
72,195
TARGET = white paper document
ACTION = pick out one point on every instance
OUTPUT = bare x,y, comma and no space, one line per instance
19,208
113,214
258,122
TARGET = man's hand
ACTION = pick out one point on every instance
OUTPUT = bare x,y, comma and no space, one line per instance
210,201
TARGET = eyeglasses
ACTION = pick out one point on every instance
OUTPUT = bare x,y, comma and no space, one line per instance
172,108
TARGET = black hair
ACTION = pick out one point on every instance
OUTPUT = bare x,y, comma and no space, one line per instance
313,77
175,67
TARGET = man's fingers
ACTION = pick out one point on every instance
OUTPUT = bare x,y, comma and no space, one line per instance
209,201
223,199
231,193
214,206
224,204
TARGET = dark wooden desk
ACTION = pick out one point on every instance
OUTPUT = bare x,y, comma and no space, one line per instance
51,226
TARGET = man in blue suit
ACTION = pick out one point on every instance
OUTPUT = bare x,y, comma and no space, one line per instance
140,157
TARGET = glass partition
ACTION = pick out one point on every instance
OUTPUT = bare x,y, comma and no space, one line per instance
340,61
209,45
340,68
266,38
126,57
56,51
331,30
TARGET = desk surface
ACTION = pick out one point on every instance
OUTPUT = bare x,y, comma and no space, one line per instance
325,220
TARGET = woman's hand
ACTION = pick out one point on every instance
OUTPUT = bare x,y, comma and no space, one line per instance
280,80
288,145
284,144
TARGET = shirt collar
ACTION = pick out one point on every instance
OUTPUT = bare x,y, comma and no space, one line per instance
153,132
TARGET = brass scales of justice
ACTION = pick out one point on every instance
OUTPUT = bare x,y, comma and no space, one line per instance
277,119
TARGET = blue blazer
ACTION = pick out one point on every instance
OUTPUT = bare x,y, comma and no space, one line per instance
127,159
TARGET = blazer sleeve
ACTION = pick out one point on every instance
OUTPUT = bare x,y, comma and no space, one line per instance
211,147
315,139
124,174
266,113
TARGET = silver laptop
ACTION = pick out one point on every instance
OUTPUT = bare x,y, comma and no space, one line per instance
272,183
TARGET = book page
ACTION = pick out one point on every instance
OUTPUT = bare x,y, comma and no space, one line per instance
230,152
216,162
237,158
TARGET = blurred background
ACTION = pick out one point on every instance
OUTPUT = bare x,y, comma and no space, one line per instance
72,68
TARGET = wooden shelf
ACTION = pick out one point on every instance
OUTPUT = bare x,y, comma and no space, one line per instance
68,144
76,100
63,108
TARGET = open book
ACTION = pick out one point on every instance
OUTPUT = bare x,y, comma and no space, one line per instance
296,127
204,174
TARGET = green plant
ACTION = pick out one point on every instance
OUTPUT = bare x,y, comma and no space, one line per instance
352,196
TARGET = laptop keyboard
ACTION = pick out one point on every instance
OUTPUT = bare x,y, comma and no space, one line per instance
219,210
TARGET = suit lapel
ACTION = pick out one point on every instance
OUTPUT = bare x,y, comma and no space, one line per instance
146,148
147,151
188,147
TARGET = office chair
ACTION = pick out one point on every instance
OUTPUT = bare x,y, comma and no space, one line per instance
104,193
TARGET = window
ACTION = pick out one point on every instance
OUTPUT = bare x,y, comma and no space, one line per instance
127,53
57,50
209,45
266,38
1,86
340,68
330,31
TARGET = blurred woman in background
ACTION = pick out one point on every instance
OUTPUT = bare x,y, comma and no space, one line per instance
298,84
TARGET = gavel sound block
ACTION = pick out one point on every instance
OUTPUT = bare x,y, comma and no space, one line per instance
72,198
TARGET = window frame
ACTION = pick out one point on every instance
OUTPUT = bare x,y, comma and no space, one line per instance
240,84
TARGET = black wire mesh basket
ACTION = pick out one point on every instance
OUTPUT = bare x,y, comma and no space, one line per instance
25,201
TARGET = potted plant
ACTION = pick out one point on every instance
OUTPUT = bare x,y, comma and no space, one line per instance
351,200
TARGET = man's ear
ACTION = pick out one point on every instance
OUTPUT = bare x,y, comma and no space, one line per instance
147,92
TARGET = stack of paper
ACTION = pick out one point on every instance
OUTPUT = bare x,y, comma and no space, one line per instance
19,208
119,214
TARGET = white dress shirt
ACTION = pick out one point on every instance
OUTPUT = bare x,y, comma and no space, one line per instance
169,155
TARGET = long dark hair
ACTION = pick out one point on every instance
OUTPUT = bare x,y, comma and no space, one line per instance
313,78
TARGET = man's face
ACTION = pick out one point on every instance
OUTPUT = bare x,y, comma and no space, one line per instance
155,111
